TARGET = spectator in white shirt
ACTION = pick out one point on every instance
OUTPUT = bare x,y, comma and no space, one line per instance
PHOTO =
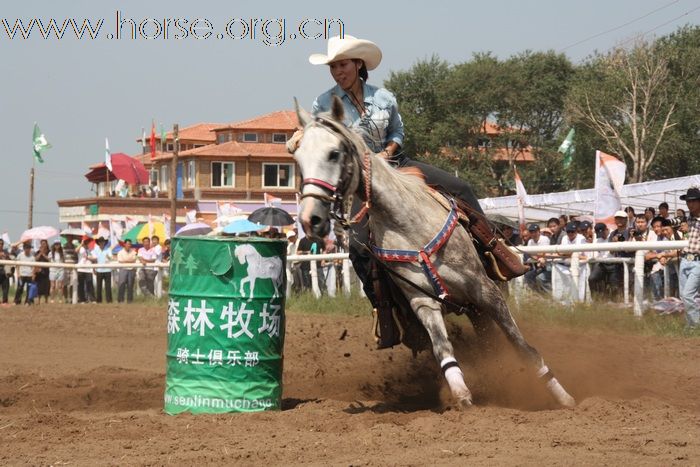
26,274
86,288
126,255
157,248
101,255
540,276
585,228
572,237
655,261
147,276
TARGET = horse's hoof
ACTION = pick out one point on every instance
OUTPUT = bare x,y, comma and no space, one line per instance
464,403
560,394
568,402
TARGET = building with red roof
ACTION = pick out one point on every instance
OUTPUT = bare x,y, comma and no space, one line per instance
235,163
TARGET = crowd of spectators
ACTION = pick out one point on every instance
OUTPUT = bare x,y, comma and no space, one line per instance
605,279
55,284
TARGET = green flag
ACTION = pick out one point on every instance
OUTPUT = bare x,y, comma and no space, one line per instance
567,148
40,143
162,138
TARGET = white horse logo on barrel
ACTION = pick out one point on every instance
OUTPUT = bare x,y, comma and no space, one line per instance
259,267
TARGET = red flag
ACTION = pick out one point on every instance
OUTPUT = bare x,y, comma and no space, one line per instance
153,139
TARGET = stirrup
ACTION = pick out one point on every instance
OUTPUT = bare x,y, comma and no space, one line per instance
492,268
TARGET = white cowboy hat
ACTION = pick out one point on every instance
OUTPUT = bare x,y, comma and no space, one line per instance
349,47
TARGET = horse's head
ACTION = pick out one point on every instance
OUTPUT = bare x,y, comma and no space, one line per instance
328,158
241,251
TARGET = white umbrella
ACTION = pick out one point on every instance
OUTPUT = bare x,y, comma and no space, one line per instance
43,232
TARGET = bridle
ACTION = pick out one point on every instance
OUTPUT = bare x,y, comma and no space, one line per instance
335,194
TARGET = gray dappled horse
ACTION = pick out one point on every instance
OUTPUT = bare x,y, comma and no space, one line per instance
404,215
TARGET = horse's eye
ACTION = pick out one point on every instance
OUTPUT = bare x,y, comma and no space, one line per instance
334,155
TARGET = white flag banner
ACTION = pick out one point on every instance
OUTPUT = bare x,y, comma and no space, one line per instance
6,238
103,231
166,225
609,180
227,209
130,223
86,228
522,198
226,212
116,231
191,216
108,156
272,200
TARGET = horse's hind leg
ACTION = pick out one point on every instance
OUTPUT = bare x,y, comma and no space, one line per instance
430,315
484,328
491,301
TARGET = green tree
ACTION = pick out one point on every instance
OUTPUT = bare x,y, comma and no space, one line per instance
534,96
682,49
417,92
626,98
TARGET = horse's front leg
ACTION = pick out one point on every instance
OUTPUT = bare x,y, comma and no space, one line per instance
242,291
430,315
252,288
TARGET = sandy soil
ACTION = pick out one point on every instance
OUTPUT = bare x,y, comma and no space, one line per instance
84,385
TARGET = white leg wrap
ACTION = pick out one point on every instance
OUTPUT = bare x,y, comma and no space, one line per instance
455,379
542,371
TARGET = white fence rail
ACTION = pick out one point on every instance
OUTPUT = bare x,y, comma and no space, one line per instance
640,248
73,268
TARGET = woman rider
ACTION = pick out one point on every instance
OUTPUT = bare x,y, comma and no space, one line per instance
373,113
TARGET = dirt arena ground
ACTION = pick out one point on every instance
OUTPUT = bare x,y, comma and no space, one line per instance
84,386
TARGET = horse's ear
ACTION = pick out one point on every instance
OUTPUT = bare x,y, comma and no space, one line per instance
337,109
303,116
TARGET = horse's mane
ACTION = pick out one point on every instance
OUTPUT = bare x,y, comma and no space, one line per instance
410,178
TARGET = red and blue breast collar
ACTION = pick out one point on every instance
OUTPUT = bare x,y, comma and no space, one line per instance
423,255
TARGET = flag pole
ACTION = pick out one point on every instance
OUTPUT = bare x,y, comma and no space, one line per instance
30,223
173,179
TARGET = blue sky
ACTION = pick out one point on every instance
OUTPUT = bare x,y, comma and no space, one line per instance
81,91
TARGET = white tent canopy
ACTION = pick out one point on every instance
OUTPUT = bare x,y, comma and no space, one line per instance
539,208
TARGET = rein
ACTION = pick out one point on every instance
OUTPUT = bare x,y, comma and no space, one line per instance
338,192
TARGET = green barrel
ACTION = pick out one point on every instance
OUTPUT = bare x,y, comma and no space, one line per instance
225,325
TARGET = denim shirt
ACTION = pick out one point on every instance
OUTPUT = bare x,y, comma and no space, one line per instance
381,122
102,257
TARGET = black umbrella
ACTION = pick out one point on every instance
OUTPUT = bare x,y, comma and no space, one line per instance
271,216
503,220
